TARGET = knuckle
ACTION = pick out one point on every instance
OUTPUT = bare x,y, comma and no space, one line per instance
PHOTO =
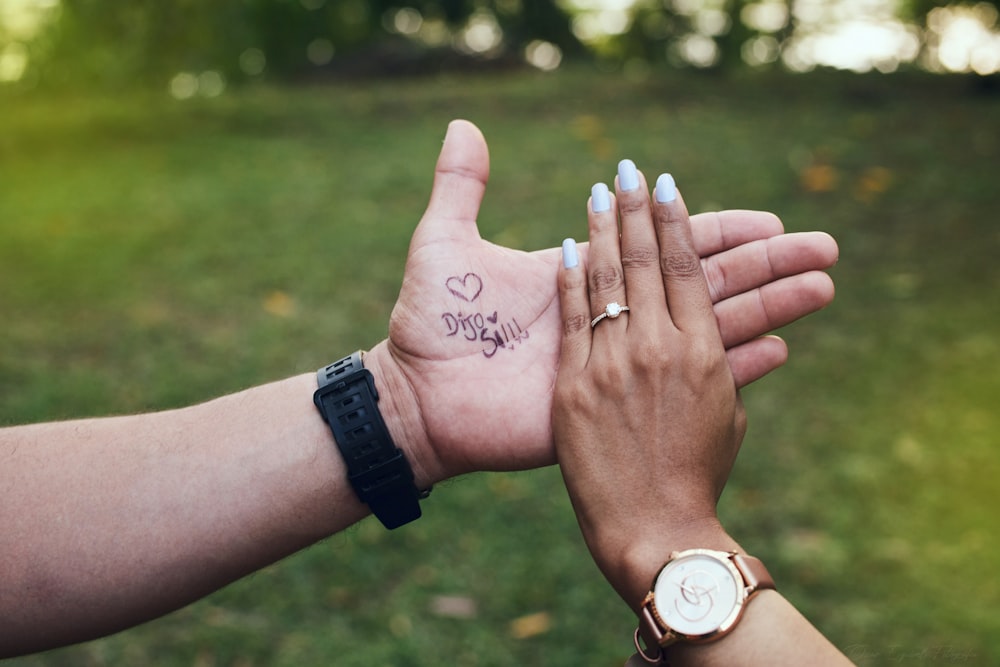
669,216
571,398
708,353
653,351
639,257
717,279
604,278
575,323
704,363
653,357
612,379
680,264
628,205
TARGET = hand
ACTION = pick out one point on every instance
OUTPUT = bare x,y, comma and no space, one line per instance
466,374
646,415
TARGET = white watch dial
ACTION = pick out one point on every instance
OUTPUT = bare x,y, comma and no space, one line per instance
698,594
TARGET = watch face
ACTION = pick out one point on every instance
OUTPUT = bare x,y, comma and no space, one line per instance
698,594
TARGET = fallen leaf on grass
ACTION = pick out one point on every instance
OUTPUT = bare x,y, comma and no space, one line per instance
279,304
530,625
453,606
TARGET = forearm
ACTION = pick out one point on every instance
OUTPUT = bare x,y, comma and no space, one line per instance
772,633
106,523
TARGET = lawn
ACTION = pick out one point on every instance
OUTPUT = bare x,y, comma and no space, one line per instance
156,253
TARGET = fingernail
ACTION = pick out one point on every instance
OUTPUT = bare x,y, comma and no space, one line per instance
666,190
628,176
570,258
600,199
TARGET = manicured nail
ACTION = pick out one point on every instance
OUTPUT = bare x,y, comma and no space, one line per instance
600,199
666,190
628,177
570,258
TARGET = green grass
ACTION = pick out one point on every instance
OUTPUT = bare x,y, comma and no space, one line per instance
156,253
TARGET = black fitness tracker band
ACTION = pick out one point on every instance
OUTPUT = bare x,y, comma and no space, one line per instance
377,469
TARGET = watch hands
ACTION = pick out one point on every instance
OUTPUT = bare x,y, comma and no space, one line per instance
693,594
687,589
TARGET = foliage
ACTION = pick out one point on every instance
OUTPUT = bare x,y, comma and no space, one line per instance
156,253
148,41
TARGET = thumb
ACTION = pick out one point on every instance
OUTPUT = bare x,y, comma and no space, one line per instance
463,167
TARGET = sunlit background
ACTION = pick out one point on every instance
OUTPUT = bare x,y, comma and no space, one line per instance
800,35
197,197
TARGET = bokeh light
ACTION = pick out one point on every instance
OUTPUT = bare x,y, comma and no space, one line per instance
482,33
769,16
543,55
13,61
185,85
320,51
800,35
964,39
405,21
854,45
253,61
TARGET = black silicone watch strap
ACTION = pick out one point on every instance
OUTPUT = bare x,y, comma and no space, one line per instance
377,469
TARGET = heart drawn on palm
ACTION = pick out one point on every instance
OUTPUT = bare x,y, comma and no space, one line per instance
466,288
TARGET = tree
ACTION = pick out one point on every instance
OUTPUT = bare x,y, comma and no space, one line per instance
148,41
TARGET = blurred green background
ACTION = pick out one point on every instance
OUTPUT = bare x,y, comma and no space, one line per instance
166,242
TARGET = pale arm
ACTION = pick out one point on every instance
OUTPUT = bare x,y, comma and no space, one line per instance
110,522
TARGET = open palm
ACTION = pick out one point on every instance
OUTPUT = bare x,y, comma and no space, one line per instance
474,337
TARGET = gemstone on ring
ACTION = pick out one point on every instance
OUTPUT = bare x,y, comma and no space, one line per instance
611,311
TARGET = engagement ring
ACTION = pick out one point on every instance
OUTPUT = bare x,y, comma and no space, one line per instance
612,310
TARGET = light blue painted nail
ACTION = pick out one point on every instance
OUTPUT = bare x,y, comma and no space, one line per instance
666,189
628,176
600,199
570,258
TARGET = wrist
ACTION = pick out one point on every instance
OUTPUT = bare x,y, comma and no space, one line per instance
403,417
644,556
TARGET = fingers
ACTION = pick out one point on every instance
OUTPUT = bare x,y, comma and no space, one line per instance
460,177
639,246
687,292
574,305
715,232
742,250
745,316
753,360
604,264
759,262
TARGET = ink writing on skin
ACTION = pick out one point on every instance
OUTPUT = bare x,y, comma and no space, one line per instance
475,326
467,288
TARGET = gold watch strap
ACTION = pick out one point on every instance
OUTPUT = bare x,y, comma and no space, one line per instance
651,634
754,573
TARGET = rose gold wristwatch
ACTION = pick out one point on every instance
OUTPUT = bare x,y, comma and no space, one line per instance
698,596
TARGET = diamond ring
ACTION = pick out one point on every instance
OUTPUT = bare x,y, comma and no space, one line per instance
611,311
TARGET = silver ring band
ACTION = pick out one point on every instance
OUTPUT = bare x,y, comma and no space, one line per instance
611,311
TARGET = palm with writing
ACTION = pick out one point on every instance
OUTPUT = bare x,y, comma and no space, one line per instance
467,372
